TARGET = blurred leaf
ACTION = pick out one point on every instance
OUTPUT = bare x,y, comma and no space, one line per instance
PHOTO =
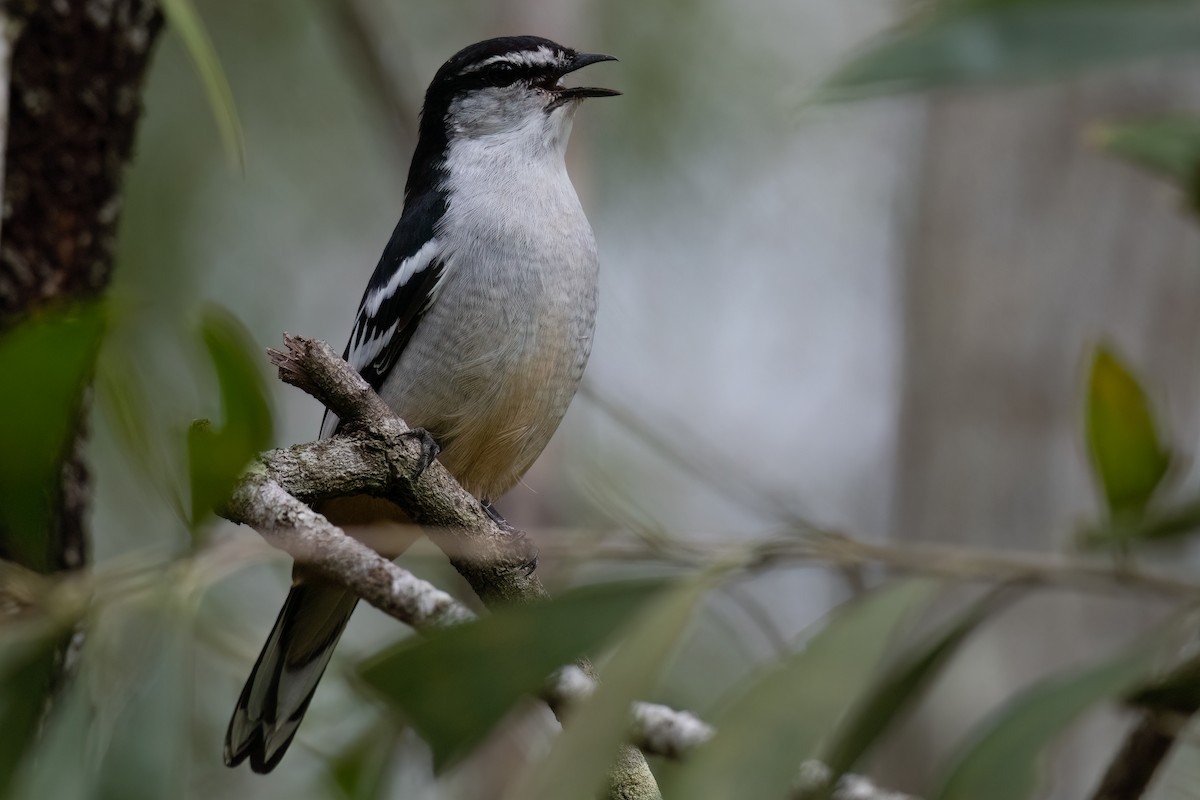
48,361
362,771
183,18
27,656
1003,762
41,616
1159,524
69,738
902,684
583,755
1123,442
990,41
797,701
1169,147
133,414
455,685
1178,691
216,457
147,747
239,361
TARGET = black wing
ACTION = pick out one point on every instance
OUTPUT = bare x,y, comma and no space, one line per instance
402,288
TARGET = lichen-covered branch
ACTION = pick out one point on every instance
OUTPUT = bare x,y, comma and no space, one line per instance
375,453
453,518
286,522
291,525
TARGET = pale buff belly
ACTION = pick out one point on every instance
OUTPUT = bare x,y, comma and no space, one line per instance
498,436
493,387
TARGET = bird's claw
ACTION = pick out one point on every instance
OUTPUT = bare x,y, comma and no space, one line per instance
429,450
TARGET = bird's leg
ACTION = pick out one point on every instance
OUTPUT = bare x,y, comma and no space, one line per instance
522,547
498,519
429,450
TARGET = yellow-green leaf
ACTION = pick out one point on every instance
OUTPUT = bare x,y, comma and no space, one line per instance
1127,454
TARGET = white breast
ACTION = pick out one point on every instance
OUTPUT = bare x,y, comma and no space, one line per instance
498,357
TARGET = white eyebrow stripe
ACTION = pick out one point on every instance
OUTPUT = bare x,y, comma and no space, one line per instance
420,260
542,57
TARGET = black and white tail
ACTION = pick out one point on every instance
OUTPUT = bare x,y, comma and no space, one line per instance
283,680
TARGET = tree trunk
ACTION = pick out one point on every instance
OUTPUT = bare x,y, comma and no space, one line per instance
1028,248
74,100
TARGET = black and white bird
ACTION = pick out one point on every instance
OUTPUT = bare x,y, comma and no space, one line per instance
475,326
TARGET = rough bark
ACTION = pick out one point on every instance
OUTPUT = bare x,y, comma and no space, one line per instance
74,101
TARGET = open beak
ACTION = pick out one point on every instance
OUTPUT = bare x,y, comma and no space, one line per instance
580,61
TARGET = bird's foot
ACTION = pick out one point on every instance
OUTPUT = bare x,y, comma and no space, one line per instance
429,450
524,552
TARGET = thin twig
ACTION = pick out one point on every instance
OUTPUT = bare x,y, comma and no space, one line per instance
1133,768
1167,706
987,566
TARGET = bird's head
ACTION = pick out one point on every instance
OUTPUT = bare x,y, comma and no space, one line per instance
510,87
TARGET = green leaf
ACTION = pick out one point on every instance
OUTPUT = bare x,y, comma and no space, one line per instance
991,41
69,738
1002,764
1162,523
217,456
27,657
583,755
183,18
901,685
797,701
363,770
1169,146
1178,691
1123,442
47,361
455,685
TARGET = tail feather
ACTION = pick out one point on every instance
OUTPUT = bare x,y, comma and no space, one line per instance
284,678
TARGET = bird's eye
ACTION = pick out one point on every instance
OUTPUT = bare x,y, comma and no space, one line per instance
501,74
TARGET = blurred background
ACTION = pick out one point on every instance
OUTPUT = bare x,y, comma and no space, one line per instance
874,316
